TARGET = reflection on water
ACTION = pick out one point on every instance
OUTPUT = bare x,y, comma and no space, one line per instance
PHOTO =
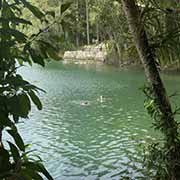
98,141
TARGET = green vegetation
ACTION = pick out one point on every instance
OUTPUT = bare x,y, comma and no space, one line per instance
103,21
30,35
166,157
16,94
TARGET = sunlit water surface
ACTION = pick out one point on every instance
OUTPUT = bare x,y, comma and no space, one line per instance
98,141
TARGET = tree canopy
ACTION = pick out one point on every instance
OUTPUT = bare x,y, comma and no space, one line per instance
106,23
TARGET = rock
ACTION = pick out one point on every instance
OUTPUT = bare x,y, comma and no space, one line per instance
95,53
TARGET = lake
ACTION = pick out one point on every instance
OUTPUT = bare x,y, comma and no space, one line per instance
82,138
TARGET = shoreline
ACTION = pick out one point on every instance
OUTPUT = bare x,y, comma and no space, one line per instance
126,65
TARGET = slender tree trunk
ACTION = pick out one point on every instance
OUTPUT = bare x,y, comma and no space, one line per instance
119,52
77,23
169,125
97,32
59,8
87,21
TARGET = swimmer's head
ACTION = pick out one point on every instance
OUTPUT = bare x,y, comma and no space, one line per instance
85,103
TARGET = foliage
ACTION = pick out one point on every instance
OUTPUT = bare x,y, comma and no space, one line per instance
108,25
65,21
162,156
161,20
112,27
17,94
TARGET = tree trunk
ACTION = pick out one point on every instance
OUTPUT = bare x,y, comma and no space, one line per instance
77,23
97,32
119,52
87,21
169,125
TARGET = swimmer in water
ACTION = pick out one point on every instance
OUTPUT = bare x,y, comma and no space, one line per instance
85,103
101,99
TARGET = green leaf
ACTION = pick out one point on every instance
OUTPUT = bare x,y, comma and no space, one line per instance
19,106
45,172
35,99
33,87
64,7
31,174
15,152
37,58
53,54
48,49
20,20
19,36
25,105
5,121
36,166
17,138
7,44
37,13
15,20
51,13
46,44
13,105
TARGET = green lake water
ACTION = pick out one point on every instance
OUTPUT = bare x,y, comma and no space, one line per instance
98,141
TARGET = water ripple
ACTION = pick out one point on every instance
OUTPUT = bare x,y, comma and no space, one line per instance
99,141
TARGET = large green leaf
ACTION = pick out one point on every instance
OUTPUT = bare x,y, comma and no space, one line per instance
35,99
25,105
8,44
36,57
48,50
51,13
19,36
5,121
19,105
14,151
32,174
15,20
37,13
17,138
65,6
36,166
16,81
46,44
13,105
53,54
45,172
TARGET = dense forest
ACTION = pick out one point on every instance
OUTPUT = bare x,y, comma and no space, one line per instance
144,31
93,22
